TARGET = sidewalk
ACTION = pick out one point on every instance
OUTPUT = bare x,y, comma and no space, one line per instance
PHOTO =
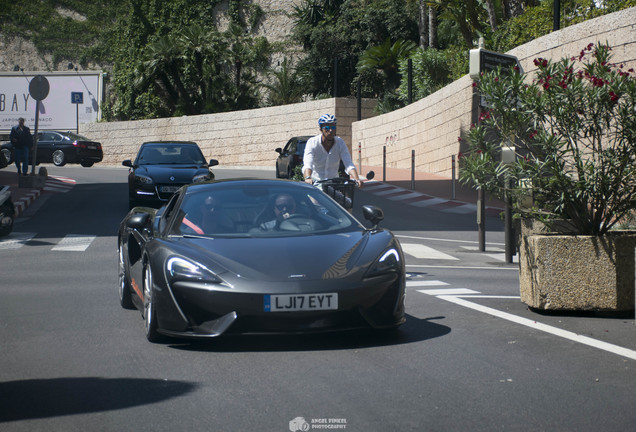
432,185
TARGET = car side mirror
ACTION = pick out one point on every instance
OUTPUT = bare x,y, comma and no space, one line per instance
137,220
373,214
279,150
127,163
213,162
370,175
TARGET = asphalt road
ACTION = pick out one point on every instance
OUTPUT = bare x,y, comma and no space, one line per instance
470,357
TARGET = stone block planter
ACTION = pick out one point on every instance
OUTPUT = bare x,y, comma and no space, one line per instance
577,273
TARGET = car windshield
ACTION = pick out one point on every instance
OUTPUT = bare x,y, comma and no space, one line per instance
249,209
157,154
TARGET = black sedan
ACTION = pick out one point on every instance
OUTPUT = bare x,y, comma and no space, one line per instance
258,256
162,167
61,148
290,156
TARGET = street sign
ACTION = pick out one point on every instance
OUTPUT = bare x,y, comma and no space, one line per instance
481,60
77,97
39,87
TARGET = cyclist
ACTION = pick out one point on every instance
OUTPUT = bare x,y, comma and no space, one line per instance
324,152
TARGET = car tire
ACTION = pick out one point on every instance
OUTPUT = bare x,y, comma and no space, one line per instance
7,155
87,164
6,219
59,158
277,172
150,315
125,295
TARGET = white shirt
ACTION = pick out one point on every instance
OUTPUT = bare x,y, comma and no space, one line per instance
325,165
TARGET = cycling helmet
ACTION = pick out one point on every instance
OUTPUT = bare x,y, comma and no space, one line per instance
326,119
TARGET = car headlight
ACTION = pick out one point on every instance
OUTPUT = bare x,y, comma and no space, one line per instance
142,179
179,269
200,177
388,262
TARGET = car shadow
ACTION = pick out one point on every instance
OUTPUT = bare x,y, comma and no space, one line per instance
56,397
412,331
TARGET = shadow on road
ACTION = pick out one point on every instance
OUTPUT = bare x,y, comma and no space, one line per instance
414,330
44,398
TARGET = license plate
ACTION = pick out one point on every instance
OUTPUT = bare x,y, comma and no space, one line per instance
301,302
92,147
169,189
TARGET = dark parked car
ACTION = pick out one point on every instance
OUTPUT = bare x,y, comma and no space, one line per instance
219,259
290,156
162,167
61,148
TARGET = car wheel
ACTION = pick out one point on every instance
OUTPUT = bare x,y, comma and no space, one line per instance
6,220
277,172
124,287
87,164
150,315
59,158
7,155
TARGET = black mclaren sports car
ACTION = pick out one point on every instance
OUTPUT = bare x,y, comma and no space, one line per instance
258,256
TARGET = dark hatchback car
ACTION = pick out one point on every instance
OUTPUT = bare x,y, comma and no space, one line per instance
290,156
161,168
61,148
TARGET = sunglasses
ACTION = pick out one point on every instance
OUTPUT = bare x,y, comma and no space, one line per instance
284,206
329,128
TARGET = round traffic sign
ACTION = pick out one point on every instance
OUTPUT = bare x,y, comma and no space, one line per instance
39,87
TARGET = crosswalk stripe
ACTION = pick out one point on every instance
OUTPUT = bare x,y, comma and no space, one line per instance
448,291
74,243
421,283
425,252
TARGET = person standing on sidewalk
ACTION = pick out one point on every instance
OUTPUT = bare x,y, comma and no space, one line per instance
22,142
324,152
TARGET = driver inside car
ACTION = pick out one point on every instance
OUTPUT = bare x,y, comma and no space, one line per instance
284,207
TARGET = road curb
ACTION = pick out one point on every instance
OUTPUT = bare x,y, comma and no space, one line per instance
22,203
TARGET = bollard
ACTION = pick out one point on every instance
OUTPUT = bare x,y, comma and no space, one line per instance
412,169
384,163
453,179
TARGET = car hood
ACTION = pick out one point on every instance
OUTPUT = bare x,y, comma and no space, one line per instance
163,173
287,259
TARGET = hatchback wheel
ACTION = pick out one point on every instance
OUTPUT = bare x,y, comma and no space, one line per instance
87,164
6,219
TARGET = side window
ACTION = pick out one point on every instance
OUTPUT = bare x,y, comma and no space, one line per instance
168,213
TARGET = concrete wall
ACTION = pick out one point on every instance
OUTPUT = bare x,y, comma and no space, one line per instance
431,126
236,138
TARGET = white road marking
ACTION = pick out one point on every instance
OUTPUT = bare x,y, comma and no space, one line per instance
463,267
425,252
615,349
448,291
420,283
74,243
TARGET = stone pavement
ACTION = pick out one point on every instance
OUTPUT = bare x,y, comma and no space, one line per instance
428,190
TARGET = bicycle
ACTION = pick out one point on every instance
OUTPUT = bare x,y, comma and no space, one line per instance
341,189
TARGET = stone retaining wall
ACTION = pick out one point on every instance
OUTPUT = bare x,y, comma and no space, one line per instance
235,138
431,126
